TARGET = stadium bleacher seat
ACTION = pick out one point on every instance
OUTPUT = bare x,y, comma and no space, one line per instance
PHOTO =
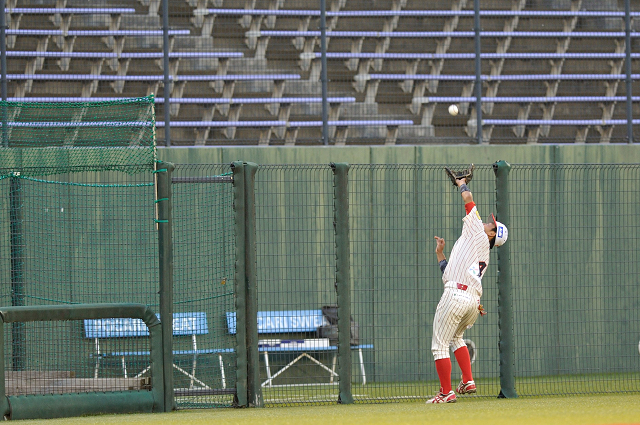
444,34
230,107
361,80
198,100
94,33
418,13
228,81
36,62
339,129
59,16
431,56
124,55
543,50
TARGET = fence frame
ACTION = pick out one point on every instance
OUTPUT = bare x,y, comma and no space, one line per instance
76,404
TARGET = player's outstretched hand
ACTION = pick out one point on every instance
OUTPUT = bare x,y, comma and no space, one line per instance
439,244
465,175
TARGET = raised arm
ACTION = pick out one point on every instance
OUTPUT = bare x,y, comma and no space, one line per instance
464,191
442,261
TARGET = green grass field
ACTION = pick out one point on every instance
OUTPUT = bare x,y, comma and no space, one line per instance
385,392
613,409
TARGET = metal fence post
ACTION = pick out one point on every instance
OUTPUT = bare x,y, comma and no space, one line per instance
478,68
343,278
165,253
629,81
254,389
323,72
249,390
3,81
165,68
18,333
239,278
505,299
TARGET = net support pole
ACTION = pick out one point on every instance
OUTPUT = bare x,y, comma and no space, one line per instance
249,390
5,409
343,278
165,253
18,335
239,279
478,68
629,81
3,81
165,66
323,71
506,345
253,359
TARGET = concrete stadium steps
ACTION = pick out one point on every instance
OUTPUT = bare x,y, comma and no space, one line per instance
564,110
393,99
562,134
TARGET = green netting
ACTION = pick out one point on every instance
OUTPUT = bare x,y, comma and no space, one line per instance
86,238
204,265
82,238
53,138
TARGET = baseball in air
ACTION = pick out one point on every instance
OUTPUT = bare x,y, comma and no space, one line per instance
453,110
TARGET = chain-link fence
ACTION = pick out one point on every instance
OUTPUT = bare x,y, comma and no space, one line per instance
574,237
92,237
83,238
296,275
204,282
395,212
571,250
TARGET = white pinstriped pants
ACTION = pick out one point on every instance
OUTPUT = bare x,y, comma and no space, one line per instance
456,312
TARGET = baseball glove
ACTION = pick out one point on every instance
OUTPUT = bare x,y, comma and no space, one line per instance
467,175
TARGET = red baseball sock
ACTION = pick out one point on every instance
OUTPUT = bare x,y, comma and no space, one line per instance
464,361
443,366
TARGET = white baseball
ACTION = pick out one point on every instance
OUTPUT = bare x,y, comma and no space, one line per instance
453,110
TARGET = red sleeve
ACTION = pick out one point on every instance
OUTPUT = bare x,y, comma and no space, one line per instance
469,206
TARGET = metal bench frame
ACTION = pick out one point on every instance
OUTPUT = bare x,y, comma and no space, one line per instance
282,322
196,325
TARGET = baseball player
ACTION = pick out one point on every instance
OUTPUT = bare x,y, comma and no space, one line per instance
460,305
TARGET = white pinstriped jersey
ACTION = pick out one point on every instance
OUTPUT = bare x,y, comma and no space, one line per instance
470,254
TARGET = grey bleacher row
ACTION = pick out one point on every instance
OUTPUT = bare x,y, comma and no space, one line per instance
362,80
69,10
253,39
94,33
288,129
443,34
421,13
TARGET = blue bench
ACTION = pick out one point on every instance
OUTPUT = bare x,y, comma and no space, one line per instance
296,322
184,324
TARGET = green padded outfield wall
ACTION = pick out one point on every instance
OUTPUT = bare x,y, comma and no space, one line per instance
437,154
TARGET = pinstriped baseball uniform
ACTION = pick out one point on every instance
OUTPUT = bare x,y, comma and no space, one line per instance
462,278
